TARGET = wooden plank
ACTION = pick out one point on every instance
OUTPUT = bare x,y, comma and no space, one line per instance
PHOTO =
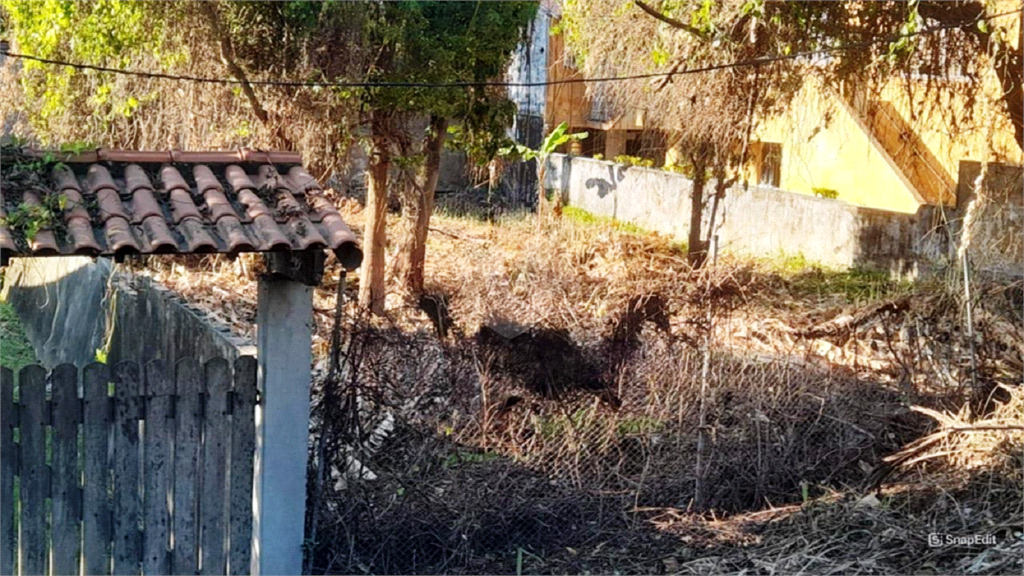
243,447
216,439
67,494
159,468
96,425
127,500
34,473
188,387
7,456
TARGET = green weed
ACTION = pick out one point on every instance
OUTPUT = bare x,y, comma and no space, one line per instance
639,425
460,457
581,216
856,285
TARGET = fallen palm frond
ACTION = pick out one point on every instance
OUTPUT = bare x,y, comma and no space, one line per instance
962,445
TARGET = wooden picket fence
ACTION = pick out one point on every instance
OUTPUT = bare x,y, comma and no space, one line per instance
154,479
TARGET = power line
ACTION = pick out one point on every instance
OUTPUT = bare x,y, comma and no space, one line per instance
500,84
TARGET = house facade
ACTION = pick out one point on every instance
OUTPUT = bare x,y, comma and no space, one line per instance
893,149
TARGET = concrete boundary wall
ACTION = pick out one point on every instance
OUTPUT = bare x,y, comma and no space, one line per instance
72,306
757,221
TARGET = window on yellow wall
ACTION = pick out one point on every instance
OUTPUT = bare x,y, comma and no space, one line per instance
769,163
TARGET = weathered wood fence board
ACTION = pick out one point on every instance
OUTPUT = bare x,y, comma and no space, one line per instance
67,494
215,451
243,448
186,464
159,469
165,481
97,418
35,479
7,460
127,501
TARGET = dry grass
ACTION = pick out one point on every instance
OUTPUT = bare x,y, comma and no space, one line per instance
555,427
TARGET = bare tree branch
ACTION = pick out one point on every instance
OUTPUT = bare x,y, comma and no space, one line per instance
669,20
227,57
1007,64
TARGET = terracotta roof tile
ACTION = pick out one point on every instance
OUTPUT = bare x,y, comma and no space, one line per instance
121,202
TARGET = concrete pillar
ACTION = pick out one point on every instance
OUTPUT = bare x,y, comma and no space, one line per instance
284,323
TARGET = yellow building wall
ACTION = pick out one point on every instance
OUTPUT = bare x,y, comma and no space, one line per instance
829,142
989,136
871,150
824,147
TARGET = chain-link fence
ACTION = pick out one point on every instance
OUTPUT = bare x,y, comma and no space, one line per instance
526,450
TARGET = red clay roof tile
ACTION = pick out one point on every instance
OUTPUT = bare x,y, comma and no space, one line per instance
118,202
231,231
144,206
172,179
82,239
196,238
119,237
161,241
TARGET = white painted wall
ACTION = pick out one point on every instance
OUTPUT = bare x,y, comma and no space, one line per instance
756,221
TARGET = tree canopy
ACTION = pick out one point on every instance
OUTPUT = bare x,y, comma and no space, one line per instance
373,44
302,41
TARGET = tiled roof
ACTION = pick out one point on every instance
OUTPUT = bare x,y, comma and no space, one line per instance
114,203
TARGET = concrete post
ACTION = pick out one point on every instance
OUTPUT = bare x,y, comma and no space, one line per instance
284,323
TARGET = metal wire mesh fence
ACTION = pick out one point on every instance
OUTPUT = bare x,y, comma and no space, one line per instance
521,450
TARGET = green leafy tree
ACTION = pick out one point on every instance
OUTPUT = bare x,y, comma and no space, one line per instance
377,42
404,42
461,42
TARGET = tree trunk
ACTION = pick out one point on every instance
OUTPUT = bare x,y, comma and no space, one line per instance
721,186
371,277
697,250
420,205
541,193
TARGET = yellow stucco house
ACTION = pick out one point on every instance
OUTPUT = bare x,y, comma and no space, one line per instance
871,151
868,150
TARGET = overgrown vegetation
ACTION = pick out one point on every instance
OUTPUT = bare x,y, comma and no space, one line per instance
575,395
15,350
21,173
583,217
543,414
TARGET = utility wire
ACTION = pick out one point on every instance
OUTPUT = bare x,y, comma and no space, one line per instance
499,84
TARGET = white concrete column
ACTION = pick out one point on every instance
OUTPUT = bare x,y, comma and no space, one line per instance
284,324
